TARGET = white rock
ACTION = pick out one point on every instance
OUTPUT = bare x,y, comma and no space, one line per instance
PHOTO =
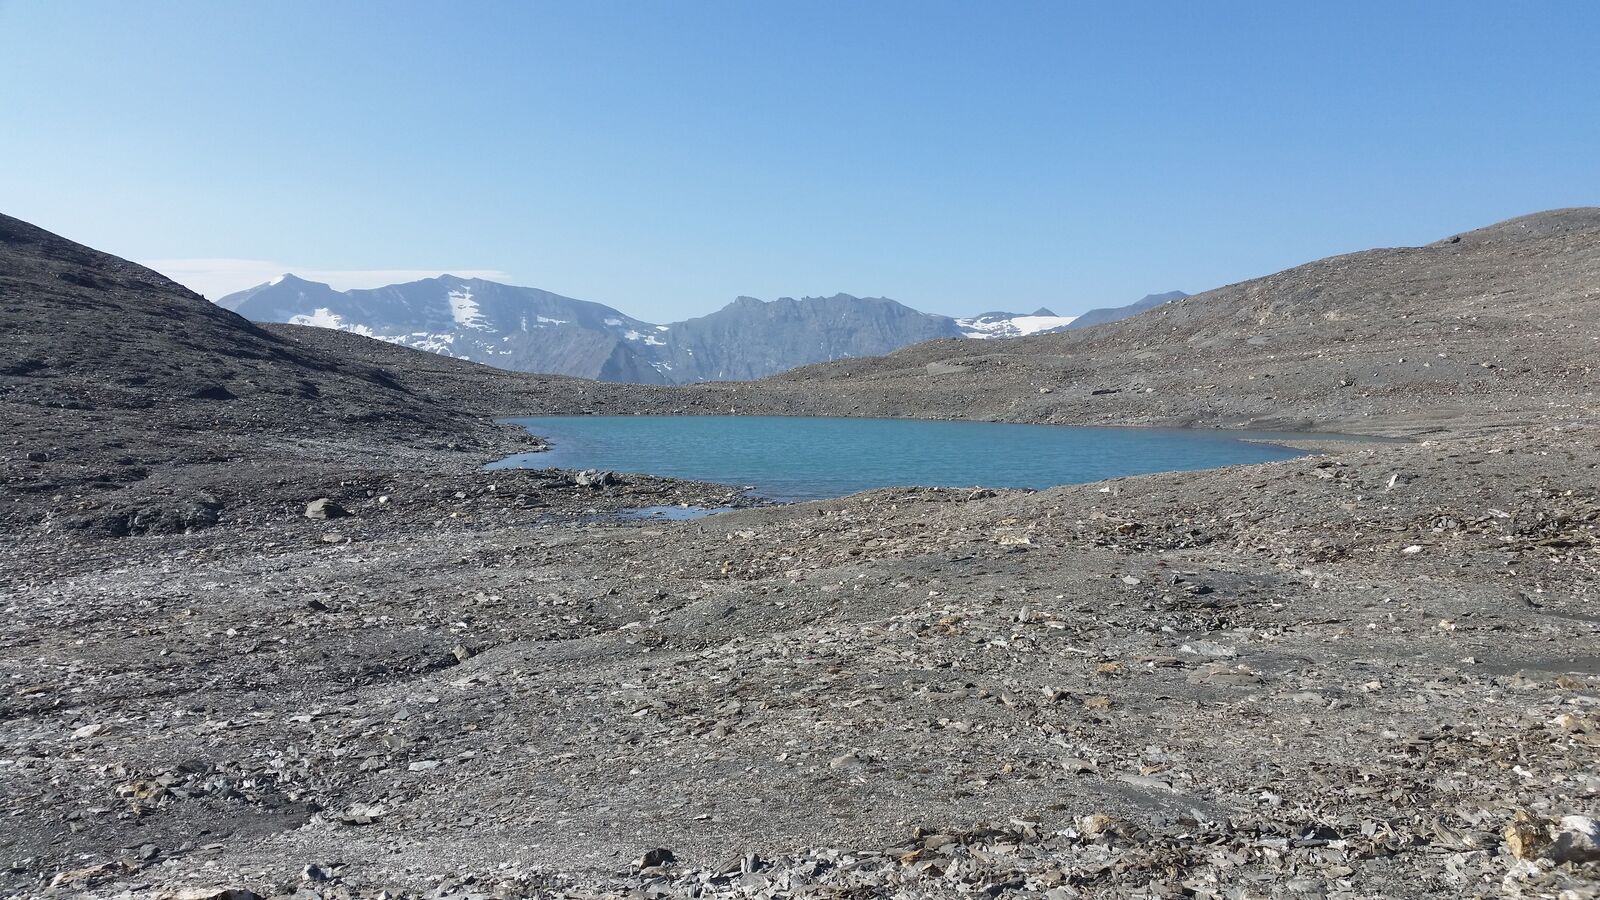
1576,839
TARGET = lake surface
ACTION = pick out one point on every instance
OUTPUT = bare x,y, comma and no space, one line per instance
800,458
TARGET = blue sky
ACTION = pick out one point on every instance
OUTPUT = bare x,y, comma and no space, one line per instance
666,157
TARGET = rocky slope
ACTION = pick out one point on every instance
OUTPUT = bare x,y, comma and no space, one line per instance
1103,315
90,335
115,382
1364,674
1496,327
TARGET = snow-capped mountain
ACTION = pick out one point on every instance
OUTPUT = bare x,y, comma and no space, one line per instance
510,327
530,330
1005,324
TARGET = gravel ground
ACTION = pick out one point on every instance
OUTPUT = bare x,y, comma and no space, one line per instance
1343,674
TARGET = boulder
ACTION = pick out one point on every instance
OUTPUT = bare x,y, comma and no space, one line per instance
323,508
594,478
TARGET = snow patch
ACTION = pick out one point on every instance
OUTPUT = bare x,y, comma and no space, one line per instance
612,321
546,320
464,309
1015,326
323,317
422,340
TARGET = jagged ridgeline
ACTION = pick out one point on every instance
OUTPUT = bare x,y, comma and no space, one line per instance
530,330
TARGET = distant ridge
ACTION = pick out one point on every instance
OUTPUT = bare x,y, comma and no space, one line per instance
1117,313
531,330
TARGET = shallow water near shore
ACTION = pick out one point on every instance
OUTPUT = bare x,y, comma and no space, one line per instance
672,513
809,458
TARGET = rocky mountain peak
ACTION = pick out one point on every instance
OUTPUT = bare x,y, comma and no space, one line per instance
528,329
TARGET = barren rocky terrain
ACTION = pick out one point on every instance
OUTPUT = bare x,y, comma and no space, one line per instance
270,631
1495,328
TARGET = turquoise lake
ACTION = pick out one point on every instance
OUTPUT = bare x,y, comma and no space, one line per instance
801,458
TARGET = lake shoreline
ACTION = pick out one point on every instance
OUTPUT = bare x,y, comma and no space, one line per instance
789,458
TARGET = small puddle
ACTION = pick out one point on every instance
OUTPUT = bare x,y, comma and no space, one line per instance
671,513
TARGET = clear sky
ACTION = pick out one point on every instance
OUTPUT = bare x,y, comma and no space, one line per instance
664,157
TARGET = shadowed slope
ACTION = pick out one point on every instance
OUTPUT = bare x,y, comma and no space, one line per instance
88,331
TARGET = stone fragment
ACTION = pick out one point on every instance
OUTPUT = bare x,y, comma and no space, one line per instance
594,478
1209,648
1146,781
659,856
324,508
1220,673
362,813
1575,839
851,760
1096,824
1160,662
1527,836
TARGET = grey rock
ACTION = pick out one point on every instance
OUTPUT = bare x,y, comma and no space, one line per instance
594,478
1575,839
658,856
324,508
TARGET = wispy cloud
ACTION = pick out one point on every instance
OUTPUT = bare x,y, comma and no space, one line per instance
216,278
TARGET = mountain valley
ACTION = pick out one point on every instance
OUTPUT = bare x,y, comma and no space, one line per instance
273,631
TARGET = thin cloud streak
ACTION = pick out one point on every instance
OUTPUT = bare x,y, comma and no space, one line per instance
217,278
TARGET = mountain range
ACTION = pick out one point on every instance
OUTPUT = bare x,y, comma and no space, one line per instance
531,330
